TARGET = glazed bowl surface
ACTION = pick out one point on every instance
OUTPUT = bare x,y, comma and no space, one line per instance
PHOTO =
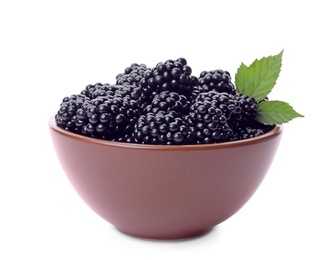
164,191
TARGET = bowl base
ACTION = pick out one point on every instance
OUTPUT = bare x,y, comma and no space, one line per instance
163,237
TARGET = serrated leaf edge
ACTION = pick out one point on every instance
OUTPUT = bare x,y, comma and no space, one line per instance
294,114
260,93
244,86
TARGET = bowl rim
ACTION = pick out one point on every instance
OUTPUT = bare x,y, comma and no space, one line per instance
277,130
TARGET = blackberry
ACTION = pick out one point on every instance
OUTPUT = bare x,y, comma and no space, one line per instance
132,75
132,92
239,109
108,117
171,75
142,99
215,80
247,104
209,116
161,128
106,90
169,101
248,110
91,88
66,116
224,101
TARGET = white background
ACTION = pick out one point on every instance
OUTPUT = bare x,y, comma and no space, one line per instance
52,49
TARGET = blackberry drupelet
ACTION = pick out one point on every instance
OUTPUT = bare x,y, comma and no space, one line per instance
66,116
132,75
161,128
216,80
171,75
169,101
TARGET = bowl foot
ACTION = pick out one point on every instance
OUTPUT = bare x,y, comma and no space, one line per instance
168,237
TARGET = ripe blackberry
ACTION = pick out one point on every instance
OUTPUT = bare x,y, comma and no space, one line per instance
169,101
132,92
66,116
108,117
216,80
171,75
132,75
142,99
209,117
161,128
224,101
91,88
248,110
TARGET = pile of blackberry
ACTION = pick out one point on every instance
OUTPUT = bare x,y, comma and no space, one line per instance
164,104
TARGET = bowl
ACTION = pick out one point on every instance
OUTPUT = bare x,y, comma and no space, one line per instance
164,191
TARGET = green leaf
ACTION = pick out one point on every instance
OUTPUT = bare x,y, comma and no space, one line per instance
260,77
275,112
242,79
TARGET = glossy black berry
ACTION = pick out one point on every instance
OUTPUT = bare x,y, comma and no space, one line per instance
223,101
68,117
132,75
209,116
247,110
216,80
171,75
161,128
106,117
169,101
91,88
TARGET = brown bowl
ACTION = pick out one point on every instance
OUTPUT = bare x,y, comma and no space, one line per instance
164,191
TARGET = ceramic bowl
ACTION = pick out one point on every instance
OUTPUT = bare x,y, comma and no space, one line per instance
164,191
